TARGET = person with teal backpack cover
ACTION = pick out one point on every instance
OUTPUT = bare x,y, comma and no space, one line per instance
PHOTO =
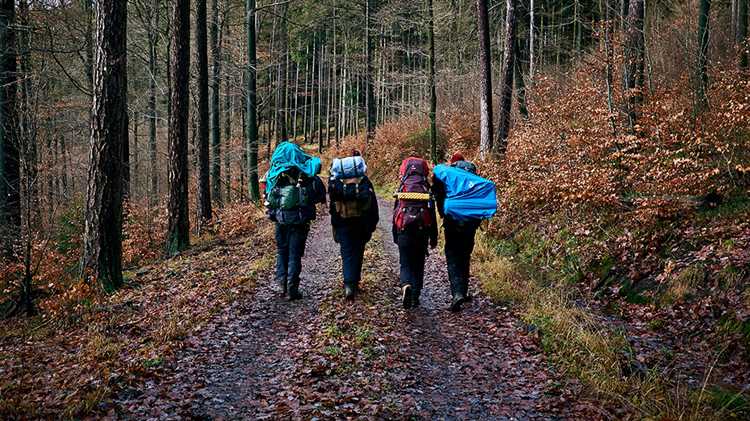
463,199
293,188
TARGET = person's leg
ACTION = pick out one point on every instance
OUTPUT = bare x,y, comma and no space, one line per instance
454,259
419,257
468,250
405,251
282,255
349,250
297,241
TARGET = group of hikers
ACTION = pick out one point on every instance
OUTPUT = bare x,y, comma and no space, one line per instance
454,191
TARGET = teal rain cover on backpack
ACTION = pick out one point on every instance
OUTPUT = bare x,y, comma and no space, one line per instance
289,155
468,196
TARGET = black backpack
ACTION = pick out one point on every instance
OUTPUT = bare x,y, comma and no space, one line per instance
352,197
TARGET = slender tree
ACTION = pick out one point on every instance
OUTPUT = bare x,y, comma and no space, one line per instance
216,59
485,79
204,186
10,175
102,252
433,89
251,143
742,18
703,38
153,116
506,95
178,234
370,105
634,61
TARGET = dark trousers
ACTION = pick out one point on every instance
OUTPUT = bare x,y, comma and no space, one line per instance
412,251
352,239
290,247
459,244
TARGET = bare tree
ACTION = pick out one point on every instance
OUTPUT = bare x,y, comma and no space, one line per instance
634,61
251,142
204,186
10,170
506,93
178,234
703,38
102,254
485,79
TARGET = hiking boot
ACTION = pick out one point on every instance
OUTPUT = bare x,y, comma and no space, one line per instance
349,292
406,299
456,302
294,293
281,282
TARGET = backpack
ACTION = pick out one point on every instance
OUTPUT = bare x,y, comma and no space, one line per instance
466,166
352,197
350,167
468,197
413,196
288,194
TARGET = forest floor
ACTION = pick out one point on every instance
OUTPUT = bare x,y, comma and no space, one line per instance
265,358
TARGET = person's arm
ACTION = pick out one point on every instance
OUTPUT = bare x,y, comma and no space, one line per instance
438,190
394,231
433,229
374,213
319,190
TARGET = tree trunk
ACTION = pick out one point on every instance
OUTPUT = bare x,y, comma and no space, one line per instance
633,66
10,169
178,234
320,99
742,18
506,95
531,42
609,71
703,38
252,106
370,106
102,240
229,111
485,80
152,112
520,83
204,166
281,87
216,58
433,89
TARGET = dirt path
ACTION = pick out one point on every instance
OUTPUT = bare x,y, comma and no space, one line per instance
265,358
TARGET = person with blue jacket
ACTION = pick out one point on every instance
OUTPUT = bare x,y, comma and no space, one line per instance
293,189
459,239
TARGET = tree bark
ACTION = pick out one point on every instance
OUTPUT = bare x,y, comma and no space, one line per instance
216,58
742,18
10,169
204,166
506,95
178,234
102,248
485,80
251,112
152,111
433,89
703,38
633,66
370,105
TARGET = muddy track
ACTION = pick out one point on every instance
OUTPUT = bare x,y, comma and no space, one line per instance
266,358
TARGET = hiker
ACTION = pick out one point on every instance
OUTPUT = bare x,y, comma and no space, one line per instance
414,227
473,199
354,215
293,188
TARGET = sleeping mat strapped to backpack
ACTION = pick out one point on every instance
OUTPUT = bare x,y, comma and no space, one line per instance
468,196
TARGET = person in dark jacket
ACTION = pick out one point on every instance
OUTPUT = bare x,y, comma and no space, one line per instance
412,248
459,241
353,221
292,228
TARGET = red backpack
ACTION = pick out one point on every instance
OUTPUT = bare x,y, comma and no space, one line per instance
413,196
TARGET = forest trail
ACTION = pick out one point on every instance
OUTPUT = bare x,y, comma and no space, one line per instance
266,358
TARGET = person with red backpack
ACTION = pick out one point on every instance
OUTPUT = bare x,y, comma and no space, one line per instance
459,238
414,226
354,215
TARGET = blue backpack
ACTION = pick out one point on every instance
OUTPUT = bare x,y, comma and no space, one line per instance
468,196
